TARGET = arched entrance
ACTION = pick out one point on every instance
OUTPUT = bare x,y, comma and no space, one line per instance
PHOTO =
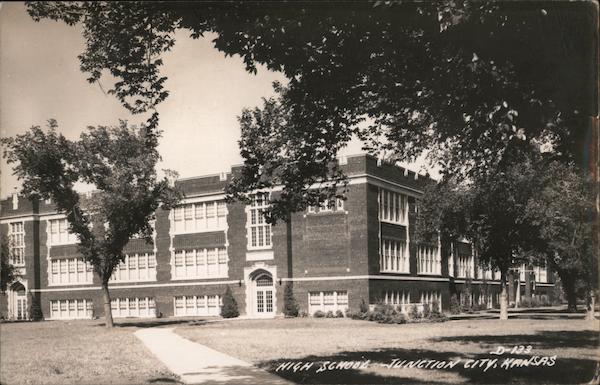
263,294
17,301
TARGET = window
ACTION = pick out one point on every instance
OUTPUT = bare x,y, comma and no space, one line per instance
393,207
393,256
487,273
199,217
201,263
201,305
16,241
59,232
466,267
428,260
327,301
136,267
541,274
431,297
399,299
133,307
259,231
522,271
70,271
72,309
328,206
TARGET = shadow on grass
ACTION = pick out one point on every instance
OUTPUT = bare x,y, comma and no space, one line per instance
564,371
151,323
542,315
584,339
164,381
539,310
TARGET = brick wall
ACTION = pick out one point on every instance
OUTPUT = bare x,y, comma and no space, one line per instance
341,244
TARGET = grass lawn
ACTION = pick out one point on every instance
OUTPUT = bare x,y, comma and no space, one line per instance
76,352
269,343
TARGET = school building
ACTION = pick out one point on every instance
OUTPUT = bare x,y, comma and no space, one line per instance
359,249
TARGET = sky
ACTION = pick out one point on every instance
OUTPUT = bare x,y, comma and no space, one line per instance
40,79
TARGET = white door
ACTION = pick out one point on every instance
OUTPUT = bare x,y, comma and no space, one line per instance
18,302
264,292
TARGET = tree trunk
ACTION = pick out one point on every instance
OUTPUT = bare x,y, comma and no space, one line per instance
590,305
503,296
569,288
107,309
290,269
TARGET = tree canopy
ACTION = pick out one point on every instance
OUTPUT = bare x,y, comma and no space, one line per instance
535,210
464,80
119,162
8,271
563,214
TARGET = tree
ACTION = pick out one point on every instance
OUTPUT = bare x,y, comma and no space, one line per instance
274,154
403,76
8,272
290,306
230,307
563,212
120,163
487,211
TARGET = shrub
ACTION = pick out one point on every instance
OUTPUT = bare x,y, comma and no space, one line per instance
290,306
545,301
525,302
437,317
394,318
375,316
329,314
230,307
358,315
399,318
303,314
351,314
319,314
426,310
435,307
339,314
35,311
454,304
364,308
414,312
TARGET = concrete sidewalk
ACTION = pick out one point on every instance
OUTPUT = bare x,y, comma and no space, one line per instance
198,364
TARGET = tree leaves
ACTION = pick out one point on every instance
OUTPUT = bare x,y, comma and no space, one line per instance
465,80
118,161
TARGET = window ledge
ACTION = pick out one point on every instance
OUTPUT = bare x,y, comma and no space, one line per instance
133,281
198,278
198,231
69,284
393,223
340,212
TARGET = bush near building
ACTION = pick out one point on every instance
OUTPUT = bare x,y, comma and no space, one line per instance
290,306
230,307
454,304
388,314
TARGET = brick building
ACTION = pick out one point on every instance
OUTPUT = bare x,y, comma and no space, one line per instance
359,249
